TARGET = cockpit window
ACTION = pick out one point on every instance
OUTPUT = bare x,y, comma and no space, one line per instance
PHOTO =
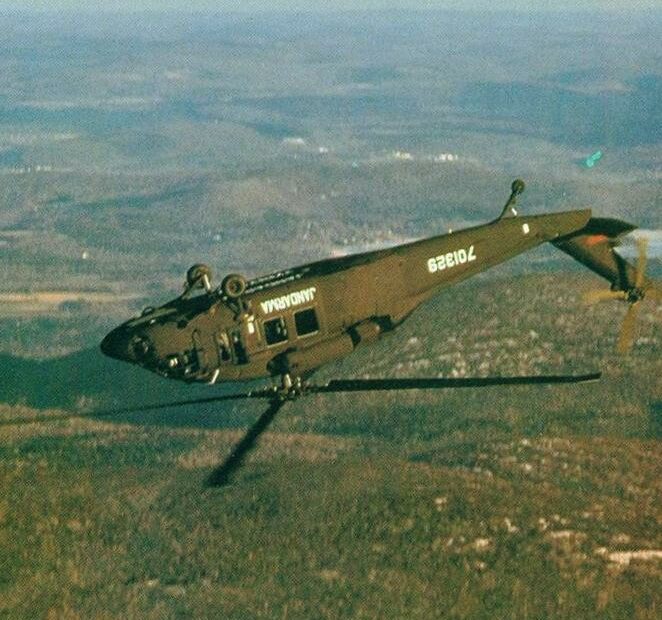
142,347
275,331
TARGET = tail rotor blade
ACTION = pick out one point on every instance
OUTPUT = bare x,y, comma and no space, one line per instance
221,475
626,337
596,296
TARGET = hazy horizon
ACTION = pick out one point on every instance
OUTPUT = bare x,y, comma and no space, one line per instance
255,6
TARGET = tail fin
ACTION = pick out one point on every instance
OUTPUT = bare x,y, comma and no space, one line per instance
593,246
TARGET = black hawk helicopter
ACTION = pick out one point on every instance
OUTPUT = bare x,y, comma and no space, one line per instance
287,324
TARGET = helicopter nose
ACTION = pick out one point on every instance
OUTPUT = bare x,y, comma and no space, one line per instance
129,346
117,345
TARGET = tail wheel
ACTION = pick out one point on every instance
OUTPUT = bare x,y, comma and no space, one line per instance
233,285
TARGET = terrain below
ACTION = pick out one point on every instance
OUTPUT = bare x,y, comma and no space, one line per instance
501,502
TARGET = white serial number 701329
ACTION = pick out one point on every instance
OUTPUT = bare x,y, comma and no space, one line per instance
451,259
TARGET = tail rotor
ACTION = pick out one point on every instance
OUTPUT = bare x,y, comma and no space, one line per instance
634,295
628,329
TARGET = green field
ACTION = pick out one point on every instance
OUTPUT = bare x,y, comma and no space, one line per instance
495,503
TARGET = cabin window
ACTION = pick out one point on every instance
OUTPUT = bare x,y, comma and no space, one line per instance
223,347
275,331
239,348
306,322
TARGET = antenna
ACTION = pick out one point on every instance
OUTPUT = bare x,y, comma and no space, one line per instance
516,189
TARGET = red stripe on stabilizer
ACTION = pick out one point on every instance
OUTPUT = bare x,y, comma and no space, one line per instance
595,239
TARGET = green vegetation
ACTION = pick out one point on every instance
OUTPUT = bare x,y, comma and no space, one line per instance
123,529
477,503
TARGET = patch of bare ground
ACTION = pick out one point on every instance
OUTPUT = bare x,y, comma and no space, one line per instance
47,302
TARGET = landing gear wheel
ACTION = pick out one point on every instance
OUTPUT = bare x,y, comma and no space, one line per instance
233,285
199,276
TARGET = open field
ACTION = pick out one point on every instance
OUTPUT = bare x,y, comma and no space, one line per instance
51,302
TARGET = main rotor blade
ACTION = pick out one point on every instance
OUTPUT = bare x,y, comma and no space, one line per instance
266,393
370,385
626,337
596,296
221,475
642,261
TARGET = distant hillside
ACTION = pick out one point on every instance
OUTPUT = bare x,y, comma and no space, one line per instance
88,380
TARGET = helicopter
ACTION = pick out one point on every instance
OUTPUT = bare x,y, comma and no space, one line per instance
285,325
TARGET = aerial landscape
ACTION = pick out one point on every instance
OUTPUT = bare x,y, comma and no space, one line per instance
134,145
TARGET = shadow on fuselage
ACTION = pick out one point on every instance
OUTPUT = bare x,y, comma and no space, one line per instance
87,380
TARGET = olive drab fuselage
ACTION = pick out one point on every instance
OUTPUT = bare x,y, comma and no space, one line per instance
293,321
